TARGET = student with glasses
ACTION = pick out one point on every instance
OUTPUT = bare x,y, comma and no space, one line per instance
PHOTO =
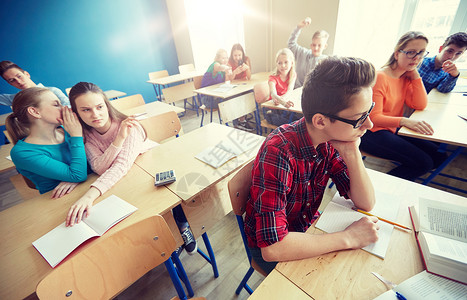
294,164
398,85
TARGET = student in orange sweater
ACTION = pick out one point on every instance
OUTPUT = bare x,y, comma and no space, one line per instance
398,83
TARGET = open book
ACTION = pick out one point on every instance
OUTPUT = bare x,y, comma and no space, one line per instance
61,241
428,287
224,88
339,214
224,151
441,232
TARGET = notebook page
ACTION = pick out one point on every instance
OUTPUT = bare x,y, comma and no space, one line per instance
108,212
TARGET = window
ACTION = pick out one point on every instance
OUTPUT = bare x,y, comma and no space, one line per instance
213,24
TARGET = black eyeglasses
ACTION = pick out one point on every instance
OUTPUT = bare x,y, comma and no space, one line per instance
412,54
355,123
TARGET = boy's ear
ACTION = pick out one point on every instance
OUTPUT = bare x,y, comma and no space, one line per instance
319,121
34,112
27,74
325,46
440,49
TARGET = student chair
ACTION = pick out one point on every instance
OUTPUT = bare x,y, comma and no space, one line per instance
25,188
181,92
112,263
157,87
162,127
186,68
128,102
237,107
261,92
239,188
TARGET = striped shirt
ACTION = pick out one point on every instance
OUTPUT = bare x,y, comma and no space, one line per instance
289,177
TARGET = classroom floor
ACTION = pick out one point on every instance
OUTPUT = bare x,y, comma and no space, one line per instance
225,239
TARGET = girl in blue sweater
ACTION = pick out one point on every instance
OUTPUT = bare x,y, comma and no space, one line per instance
50,155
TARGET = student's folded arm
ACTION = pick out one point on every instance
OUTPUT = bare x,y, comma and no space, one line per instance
101,161
416,96
447,84
123,162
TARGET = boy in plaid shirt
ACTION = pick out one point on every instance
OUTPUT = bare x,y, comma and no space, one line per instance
439,71
295,162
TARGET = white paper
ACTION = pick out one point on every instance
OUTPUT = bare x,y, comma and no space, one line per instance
338,215
215,156
224,88
427,286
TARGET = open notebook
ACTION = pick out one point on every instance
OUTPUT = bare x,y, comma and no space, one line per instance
55,245
339,214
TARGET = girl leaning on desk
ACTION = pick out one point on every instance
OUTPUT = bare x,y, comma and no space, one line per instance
49,149
112,142
398,84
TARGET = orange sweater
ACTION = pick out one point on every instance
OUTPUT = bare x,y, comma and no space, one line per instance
389,95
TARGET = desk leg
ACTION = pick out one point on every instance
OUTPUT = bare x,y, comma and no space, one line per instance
443,165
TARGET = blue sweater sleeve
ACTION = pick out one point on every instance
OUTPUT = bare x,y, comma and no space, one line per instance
48,165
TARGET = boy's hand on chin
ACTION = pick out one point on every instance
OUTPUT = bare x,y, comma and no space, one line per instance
346,147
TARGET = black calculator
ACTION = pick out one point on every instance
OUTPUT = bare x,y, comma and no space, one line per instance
165,178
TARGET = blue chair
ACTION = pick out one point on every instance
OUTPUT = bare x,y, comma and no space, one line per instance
239,188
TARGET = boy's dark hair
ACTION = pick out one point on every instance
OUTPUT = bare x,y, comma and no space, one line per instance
6,65
459,39
329,87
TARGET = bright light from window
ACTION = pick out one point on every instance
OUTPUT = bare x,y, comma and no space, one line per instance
213,24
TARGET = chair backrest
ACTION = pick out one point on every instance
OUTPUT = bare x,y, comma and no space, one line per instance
197,81
128,102
178,92
163,126
112,263
239,188
261,91
186,68
158,74
239,106
67,90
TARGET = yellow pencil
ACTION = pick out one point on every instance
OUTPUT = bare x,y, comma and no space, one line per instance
382,219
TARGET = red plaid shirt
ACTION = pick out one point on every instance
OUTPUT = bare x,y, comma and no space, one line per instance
289,178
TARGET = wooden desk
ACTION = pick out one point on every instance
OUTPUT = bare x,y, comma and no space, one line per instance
202,188
21,265
346,274
277,286
448,127
159,83
113,94
153,109
242,87
5,164
295,96
448,98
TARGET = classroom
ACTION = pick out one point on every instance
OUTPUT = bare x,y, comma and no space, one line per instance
116,45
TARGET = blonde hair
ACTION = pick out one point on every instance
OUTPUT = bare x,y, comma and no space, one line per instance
18,123
290,57
321,34
219,54
402,43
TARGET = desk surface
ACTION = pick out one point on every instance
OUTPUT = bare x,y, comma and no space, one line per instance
153,109
21,265
3,118
5,164
193,175
295,96
448,98
277,286
346,274
241,86
114,94
175,78
447,125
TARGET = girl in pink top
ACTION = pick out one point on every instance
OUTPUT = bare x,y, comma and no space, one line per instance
399,86
112,143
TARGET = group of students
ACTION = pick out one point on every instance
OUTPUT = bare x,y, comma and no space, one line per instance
347,107
54,144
